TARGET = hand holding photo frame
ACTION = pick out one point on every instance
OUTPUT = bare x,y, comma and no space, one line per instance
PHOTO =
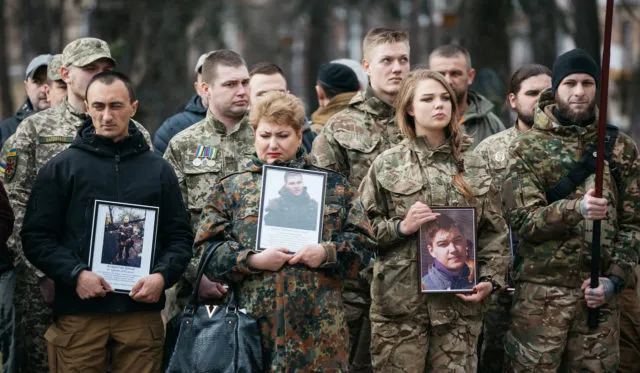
291,208
448,251
123,238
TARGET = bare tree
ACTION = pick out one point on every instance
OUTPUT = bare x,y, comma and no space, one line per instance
543,16
586,32
483,27
6,106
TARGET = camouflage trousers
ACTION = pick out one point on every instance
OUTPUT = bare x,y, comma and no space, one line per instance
416,346
7,323
33,317
549,332
630,329
496,323
356,310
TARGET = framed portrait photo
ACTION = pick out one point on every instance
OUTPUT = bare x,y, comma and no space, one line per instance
291,208
448,251
123,239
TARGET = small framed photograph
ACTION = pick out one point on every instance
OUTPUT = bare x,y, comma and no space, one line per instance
448,251
291,208
123,239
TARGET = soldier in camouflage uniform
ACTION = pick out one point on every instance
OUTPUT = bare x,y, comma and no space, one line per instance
552,266
349,143
474,110
296,298
37,140
57,90
414,332
527,83
202,154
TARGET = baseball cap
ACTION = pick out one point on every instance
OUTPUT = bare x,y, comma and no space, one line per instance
84,51
338,76
198,68
41,60
53,71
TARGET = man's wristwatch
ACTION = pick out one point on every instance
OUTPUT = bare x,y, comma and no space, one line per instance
495,285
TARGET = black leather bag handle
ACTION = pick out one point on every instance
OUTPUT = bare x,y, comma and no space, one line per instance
193,301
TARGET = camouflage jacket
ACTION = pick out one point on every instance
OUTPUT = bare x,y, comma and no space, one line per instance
338,103
299,308
38,139
401,176
494,150
555,239
204,153
352,139
479,121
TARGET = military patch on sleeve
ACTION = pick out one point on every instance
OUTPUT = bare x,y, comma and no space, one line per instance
55,139
10,168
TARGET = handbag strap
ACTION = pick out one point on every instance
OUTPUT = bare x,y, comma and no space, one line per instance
211,249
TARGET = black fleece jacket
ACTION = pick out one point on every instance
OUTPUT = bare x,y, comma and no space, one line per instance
57,226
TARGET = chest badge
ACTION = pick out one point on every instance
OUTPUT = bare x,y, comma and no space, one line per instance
499,157
203,154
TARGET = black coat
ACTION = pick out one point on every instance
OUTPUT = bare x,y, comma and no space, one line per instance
6,227
193,113
56,233
8,126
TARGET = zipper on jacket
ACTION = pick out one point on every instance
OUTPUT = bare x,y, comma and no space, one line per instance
118,175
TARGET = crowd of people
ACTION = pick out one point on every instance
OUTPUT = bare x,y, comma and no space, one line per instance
395,143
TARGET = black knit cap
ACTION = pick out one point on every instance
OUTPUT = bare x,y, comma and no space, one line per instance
573,62
338,76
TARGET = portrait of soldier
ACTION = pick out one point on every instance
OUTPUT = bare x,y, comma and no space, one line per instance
123,240
294,207
449,248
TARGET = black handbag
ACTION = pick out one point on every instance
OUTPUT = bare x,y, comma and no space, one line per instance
214,339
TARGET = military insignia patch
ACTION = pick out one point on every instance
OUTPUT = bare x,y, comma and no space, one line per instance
499,157
55,139
10,167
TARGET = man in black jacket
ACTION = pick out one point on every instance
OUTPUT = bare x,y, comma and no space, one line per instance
35,85
194,112
111,161
7,283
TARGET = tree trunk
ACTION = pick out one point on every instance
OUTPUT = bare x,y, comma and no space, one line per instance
315,48
587,29
489,19
542,18
6,107
634,128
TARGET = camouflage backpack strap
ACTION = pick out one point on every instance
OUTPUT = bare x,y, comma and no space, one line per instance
586,166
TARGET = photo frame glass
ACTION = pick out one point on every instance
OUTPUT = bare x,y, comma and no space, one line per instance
123,239
291,208
448,251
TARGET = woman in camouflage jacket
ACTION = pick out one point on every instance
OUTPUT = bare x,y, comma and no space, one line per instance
414,332
295,297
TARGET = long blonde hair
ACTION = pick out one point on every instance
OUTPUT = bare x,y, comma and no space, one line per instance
453,131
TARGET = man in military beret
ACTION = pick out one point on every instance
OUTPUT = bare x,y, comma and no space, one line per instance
37,140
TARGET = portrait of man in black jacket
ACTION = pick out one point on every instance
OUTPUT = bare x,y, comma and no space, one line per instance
294,208
109,160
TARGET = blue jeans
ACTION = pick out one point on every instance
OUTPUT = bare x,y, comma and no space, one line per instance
7,321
